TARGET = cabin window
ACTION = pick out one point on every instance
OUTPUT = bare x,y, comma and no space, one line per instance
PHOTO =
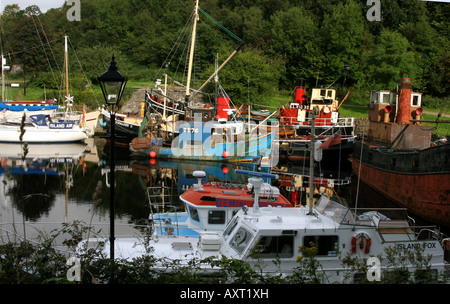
386,98
230,228
327,245
241,239
281,246
196,143
415,100
193,213
216,217
329,94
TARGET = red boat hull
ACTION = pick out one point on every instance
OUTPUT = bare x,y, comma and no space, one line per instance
426,195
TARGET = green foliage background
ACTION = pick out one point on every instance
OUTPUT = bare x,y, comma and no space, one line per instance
284,40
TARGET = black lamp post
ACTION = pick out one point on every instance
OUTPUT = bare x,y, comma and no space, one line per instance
113,84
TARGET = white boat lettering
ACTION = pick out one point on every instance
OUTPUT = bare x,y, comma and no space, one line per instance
61,125
190,130
122,123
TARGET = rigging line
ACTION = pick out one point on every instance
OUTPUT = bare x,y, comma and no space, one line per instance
31,48
359,174
172,51
220,25
82,70
212,31
51,49
43,47
182,55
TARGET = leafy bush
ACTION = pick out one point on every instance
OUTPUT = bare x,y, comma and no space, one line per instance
41,263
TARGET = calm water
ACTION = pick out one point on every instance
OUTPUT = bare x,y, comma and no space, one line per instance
66,183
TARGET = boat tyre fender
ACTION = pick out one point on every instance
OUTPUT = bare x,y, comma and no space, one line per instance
290,151
365,242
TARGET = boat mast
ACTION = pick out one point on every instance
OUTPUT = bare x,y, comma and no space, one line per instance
3,79
165,94
191,52
68,98
311,161
67,66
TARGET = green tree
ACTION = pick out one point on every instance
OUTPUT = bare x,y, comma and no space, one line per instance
342,35
250,74
390,60
29,42
295,40
95,60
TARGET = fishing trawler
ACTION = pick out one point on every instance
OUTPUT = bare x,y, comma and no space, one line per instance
206,133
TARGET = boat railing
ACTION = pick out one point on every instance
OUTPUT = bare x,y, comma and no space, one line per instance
160,202
160,199
320,122
394,221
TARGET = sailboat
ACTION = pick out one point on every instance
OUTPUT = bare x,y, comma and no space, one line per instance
13,110
57,127
88,120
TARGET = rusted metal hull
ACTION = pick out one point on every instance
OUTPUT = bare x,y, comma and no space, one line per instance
419,181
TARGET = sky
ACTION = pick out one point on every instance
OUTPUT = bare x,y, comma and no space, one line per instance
44,5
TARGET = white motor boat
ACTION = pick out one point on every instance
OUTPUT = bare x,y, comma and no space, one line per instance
262,235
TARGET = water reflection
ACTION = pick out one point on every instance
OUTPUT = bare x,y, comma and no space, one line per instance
52,184
32,175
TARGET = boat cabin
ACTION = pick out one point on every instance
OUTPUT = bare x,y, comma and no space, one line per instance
211,206
204,112
322,99
209,138
383,105
395,118
260,236
272,239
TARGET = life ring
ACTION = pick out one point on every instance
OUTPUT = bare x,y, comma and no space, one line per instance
365,242
446,243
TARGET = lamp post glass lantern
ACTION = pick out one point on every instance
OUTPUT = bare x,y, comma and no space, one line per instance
113,84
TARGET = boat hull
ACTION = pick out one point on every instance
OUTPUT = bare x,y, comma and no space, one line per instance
125,130
422,188
292,149
42,135
241,152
